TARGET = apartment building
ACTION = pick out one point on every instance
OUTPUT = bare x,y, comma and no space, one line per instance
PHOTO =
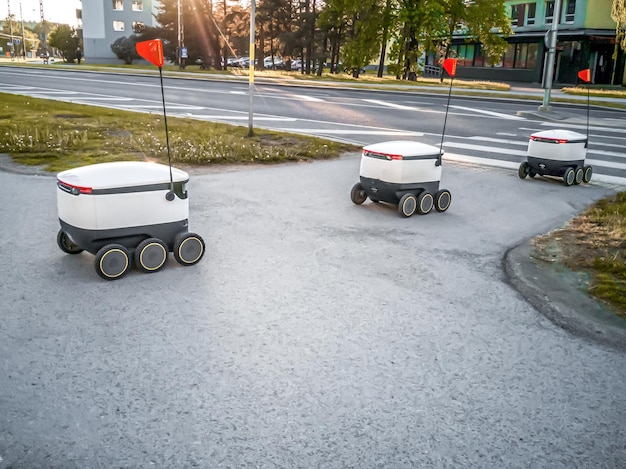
586,39
104,21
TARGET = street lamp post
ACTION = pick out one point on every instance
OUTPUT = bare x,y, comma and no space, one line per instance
549,67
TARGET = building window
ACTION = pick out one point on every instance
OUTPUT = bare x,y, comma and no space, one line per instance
138,26
118,26
118,5
530,15
464,53
517,14
549,12
531,59
137,5
570,11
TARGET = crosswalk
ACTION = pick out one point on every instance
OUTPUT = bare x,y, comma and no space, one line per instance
606,151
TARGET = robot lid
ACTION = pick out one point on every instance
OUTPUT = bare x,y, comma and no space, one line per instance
558,136
120,174
402,149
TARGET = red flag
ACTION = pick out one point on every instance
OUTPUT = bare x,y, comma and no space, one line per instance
585,75
152,51
450,66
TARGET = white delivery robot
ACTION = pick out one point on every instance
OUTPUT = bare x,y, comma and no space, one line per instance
124,211
402,172
559,153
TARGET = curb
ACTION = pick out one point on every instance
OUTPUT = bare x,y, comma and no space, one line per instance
558,294
9,166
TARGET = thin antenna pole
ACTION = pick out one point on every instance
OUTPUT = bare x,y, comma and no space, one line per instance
445,120
170,195
587,113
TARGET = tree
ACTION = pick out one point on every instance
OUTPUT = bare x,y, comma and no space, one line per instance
11,26
480,19
618,14
66,40
364,34
199,32
124,49
431,25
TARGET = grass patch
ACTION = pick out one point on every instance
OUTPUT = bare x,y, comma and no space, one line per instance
58,136
594,242
611,92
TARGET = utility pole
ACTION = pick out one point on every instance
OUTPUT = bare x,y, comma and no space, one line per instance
181,35
549,66
251,68
23,38
11,28
43,25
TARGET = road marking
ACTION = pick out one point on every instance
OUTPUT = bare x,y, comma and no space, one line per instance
607,153
582,127
391,105
605,164
106,98
454,157
612,145
468,146
498,140
240,118
168,106
480,161
55,92
489,113
308,98
363,131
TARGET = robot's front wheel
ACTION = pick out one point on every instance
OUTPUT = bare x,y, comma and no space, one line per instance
588,172
407,205
188,248
66,245
425,203
150,255
569,177
524,170
579,176
443,198
112,261
357,194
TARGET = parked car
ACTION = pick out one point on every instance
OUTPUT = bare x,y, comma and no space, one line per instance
275,63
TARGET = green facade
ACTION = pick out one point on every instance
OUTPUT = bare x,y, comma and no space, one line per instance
586,39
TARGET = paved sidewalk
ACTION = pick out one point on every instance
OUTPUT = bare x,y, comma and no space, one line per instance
565,304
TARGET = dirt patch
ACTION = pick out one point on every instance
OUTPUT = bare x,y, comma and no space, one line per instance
593,243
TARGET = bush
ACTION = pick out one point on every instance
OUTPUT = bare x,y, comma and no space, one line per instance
124,49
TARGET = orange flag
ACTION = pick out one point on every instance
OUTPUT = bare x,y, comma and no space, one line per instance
152,51
585,75
450,66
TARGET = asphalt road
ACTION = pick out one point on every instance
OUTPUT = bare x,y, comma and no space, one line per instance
314,333
481,131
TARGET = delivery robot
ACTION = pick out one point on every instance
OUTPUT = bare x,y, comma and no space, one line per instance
402,172
125,211
558,153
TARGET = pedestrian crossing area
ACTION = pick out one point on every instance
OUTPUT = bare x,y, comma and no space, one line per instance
606,149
